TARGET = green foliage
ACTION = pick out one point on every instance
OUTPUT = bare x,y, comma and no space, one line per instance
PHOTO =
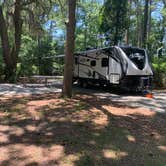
159,65
87,30
27,57
46,48
156,36
114,20
33,57
44,31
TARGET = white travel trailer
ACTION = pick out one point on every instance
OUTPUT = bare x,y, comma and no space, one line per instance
127,67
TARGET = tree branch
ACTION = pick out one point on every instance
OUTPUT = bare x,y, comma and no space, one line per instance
62,8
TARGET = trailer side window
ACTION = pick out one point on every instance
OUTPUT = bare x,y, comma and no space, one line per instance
93,63
76,60
104,62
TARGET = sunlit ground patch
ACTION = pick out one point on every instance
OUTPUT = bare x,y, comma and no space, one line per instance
114,154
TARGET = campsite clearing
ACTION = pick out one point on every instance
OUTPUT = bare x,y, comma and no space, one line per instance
89,129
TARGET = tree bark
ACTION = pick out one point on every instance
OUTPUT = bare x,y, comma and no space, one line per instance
115,40
4,39
139,24
149,19
164,24
127,34
145,29
10,53
85,34
69,50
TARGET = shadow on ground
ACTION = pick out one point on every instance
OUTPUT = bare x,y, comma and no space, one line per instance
48,130
131,99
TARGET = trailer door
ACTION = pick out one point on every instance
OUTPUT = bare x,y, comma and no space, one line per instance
76,66
115,71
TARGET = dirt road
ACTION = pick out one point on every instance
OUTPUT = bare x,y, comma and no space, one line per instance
158,103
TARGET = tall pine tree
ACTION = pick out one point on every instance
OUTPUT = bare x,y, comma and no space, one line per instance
114,20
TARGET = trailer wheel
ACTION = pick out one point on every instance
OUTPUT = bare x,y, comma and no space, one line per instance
79,82
101,85
85,84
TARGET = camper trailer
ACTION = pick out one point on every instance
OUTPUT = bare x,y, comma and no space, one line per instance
127,67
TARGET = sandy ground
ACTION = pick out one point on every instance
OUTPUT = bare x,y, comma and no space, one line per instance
39,128
158,103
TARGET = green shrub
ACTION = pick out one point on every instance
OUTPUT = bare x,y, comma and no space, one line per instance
159,66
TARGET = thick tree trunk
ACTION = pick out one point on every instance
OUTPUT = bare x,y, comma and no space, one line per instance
4,39
10,54
18,31
69,50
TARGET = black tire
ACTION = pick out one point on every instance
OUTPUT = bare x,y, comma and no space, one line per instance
79,82
85,84
101,85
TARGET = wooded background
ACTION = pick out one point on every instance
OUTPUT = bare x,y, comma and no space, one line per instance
33,30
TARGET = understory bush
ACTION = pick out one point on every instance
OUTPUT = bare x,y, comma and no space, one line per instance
159,67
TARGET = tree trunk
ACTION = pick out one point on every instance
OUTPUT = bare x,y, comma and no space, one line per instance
127,34
115,40
139,24
145,29
164,21
149,19
10,54
4,40
69,50
85,34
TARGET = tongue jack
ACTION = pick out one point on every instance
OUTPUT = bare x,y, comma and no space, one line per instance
149,95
